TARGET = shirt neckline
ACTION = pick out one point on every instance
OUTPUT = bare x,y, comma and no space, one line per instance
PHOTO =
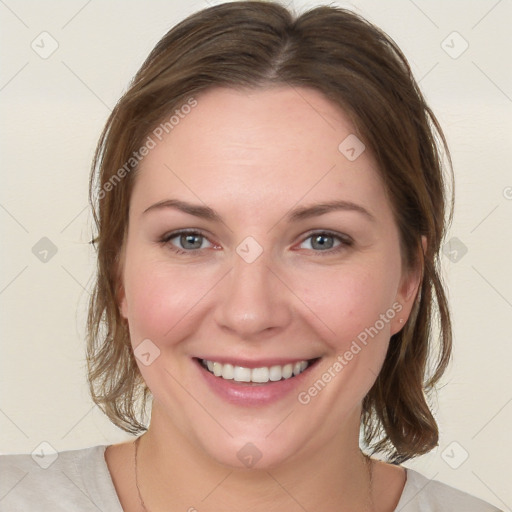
95,478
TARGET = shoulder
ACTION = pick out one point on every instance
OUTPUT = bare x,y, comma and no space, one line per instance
55,481
421,494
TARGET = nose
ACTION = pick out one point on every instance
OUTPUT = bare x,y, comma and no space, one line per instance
253,301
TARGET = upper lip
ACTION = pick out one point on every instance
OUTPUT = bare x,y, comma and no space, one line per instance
256,363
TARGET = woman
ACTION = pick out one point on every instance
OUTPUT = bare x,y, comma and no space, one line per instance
270,206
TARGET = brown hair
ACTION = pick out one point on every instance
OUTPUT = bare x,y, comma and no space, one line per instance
359,68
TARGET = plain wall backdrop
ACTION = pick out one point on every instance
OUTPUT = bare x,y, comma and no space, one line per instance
65,64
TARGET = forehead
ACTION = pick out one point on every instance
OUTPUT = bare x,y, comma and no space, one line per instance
258,147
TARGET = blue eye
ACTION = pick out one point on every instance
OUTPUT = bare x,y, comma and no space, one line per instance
324,241
189,241
321,241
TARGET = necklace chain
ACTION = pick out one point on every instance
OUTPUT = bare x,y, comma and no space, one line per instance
142,504
368,461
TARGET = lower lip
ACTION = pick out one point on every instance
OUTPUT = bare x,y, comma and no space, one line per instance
249,394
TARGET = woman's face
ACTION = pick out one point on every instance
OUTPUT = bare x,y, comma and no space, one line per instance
269,276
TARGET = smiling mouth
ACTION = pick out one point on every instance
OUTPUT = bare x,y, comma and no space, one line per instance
260,375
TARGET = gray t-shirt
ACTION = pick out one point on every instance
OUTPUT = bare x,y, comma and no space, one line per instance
79,480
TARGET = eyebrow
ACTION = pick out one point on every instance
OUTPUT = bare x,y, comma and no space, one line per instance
295,215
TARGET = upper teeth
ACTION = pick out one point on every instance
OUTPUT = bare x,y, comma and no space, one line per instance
260,375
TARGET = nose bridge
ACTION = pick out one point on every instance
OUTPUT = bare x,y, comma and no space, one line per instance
254,299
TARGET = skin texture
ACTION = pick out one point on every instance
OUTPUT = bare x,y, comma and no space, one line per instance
253,156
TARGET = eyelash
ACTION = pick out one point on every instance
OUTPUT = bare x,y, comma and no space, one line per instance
345,240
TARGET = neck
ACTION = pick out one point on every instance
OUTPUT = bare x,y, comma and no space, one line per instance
174,474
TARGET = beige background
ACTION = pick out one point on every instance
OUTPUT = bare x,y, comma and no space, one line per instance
52,112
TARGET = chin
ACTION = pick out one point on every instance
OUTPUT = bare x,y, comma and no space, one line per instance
249,453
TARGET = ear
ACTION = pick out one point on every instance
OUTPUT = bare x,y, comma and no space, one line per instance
407,292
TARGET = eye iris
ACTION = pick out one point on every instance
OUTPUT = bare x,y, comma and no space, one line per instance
195,240
319,242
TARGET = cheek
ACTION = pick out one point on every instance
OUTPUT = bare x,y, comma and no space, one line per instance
349,302
159,297
357,306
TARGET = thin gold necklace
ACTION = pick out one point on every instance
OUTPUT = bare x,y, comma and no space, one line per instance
368,461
